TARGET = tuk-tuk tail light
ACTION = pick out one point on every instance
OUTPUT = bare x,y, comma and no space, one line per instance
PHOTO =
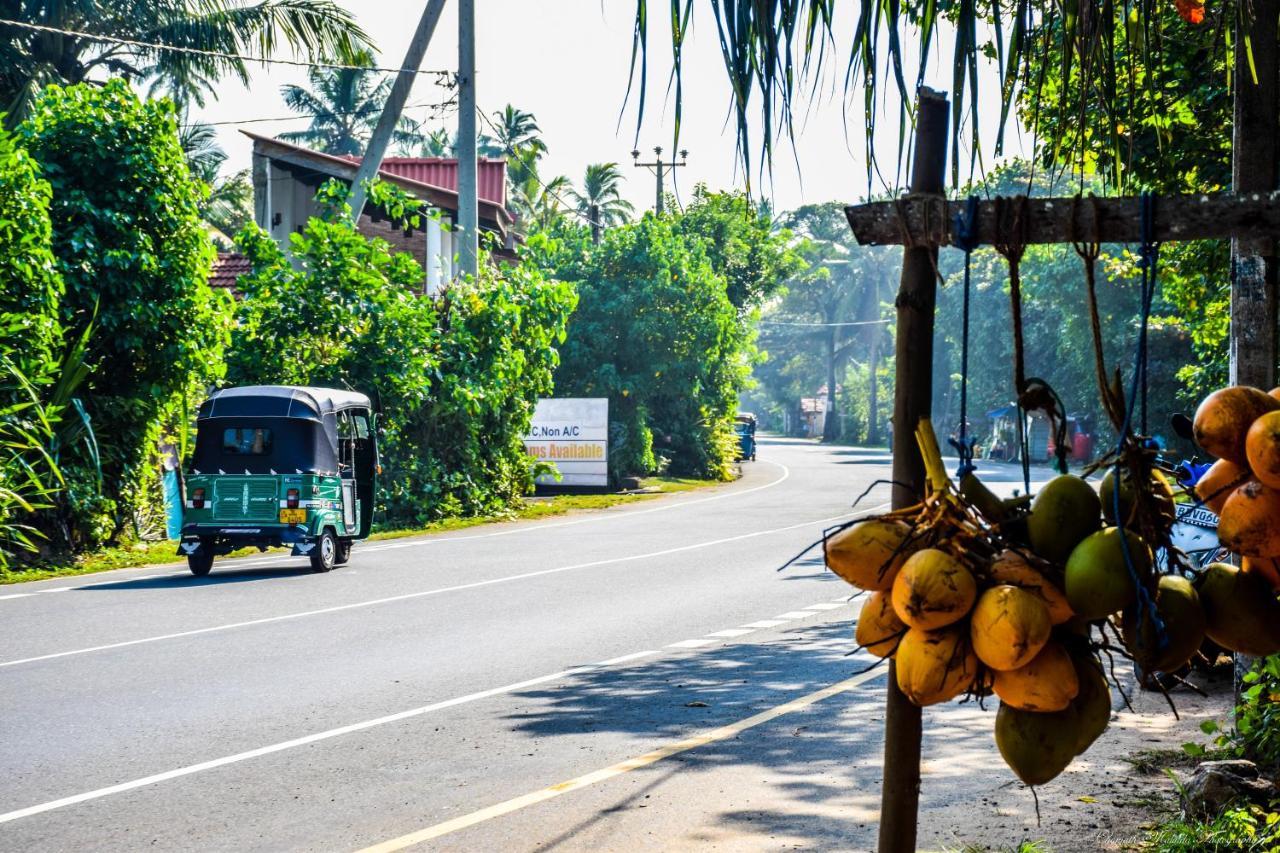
197,498
291,498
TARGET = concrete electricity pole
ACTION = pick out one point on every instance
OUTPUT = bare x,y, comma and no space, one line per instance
394,107
660,169
468,212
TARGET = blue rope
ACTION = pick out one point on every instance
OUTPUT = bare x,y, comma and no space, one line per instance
1149,256
966,239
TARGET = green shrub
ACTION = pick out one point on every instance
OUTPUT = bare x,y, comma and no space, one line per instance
457,376
1237,830
134,260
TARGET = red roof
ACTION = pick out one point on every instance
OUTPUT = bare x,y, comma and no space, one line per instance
443,172
227,270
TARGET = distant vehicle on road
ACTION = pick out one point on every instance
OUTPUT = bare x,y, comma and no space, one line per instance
744,425
278,465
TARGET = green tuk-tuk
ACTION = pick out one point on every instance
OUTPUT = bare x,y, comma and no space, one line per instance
277,465
744,426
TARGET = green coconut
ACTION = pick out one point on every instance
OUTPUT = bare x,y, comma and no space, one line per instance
1038,746
1098,582
1092,705
1178,606
1065,511
1240,609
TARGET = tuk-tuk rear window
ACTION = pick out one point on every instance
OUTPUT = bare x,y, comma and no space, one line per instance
247,441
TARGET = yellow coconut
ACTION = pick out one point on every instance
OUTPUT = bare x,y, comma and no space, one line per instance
1010,567
1009,627
1048,683
879,629
933,590
870,553
1217,484
1222,422
935,666
1249,523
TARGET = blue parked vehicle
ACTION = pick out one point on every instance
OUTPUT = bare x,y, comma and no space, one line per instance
744,425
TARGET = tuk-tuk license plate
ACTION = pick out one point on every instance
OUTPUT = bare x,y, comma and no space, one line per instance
293,516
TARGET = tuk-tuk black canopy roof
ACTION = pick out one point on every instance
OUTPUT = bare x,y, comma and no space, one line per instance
281,401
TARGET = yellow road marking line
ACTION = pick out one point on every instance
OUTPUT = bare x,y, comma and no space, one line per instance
535,797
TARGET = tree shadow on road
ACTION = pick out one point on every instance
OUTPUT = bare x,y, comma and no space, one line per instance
810,777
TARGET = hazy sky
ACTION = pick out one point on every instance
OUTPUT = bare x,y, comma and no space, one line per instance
567,62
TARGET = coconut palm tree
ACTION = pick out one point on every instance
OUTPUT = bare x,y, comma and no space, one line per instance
600,188
117,35
516,130
229,204
344,105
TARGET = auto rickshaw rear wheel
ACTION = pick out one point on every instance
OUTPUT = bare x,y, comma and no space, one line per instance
325,555
344,552
201,563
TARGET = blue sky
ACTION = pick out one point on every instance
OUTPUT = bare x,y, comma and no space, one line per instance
568,61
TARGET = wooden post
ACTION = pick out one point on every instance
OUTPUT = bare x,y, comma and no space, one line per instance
913,396
1254,166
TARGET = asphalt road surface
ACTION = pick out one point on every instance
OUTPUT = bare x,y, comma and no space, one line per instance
640,677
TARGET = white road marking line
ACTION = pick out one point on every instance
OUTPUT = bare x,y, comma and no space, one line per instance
786,473
17,595
649,758
395,718
284,745
414,595
627,658
731,632
827,605
765,623
57,589
793,614
691,644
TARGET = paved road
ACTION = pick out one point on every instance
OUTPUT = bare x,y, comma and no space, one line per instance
443,690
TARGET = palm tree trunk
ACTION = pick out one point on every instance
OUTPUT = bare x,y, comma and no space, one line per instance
831,423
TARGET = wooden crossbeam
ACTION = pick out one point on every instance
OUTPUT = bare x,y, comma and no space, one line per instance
920,220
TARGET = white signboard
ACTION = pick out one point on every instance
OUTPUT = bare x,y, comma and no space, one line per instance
573,435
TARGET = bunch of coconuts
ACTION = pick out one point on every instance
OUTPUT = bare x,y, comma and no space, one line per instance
975,596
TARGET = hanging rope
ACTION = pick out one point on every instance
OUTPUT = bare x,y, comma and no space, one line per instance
965,239
1011,224
1112,395
1149,254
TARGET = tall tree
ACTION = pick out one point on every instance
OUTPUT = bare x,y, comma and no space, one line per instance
344,105
601,185
229,204
116,37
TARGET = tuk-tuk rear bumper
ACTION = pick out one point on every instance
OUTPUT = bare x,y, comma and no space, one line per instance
199,539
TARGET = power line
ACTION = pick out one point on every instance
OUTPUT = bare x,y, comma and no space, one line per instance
436,107
214,54
825,325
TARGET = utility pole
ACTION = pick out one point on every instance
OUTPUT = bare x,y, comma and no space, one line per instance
394,107
660,168
468,205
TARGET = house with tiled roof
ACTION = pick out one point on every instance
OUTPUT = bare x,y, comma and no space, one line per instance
286,177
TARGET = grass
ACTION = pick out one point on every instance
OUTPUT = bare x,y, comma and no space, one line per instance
161,553
1151,761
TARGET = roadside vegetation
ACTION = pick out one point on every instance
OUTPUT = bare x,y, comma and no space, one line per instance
162,552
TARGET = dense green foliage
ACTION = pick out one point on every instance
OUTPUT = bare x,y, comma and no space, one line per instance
134,260
658,330
30,286
457,376
1243,829
226,29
